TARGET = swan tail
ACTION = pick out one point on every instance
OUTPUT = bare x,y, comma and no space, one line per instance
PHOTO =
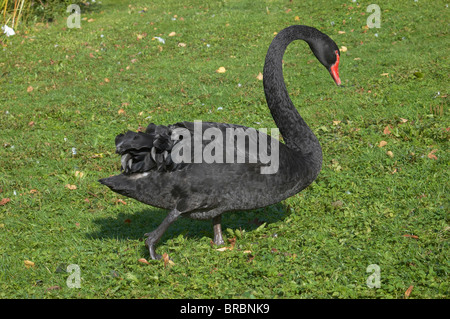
120,184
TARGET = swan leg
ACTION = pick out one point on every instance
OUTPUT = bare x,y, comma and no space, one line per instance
155,236
218,239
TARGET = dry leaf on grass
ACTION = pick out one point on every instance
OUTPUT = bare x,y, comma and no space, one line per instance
71,187
221,70
4,201
382,143
431,154
408,291
411,236
28,263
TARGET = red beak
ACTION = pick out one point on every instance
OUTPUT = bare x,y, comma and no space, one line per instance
334,70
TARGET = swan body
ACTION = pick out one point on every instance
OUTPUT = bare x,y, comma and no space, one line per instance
160,170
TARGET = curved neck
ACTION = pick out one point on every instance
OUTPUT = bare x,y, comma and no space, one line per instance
296,133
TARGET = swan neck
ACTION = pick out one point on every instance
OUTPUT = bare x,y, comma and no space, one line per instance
296,133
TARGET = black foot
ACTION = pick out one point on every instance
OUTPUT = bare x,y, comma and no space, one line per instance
218,239
150,243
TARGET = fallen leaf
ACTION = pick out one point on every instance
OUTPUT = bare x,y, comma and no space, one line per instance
382,143
247,251
386,130
30,89
171,34
33,191
127,221
259,76
297,18
390,154
343,49
121,111
143,260
402,120
71,187
221,70
182,45
31,123
411,236
167,260
4,201
431,154
341,32
222,249
90,20
53,288
79,174
141,36
165,257
232,242
106,80
121,201
28,263
408,291
384,74
336,122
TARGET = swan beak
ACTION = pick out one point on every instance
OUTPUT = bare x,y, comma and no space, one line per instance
334,70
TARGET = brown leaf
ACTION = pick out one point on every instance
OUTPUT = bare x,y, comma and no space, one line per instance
127,221
408,291
382,143
30,89
31,123
411,236
28,263
121,201
232,242
4,201
431,154
143,260
71,187
166,259
53,288
259,76
387,131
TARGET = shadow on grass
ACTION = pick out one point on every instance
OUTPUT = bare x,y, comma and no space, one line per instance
134,225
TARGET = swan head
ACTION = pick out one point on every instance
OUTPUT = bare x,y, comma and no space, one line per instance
327,52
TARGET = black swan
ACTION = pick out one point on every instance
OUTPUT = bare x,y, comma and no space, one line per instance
161,170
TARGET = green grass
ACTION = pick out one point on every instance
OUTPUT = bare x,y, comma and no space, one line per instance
66,88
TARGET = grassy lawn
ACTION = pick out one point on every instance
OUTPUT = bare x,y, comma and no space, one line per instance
380,199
